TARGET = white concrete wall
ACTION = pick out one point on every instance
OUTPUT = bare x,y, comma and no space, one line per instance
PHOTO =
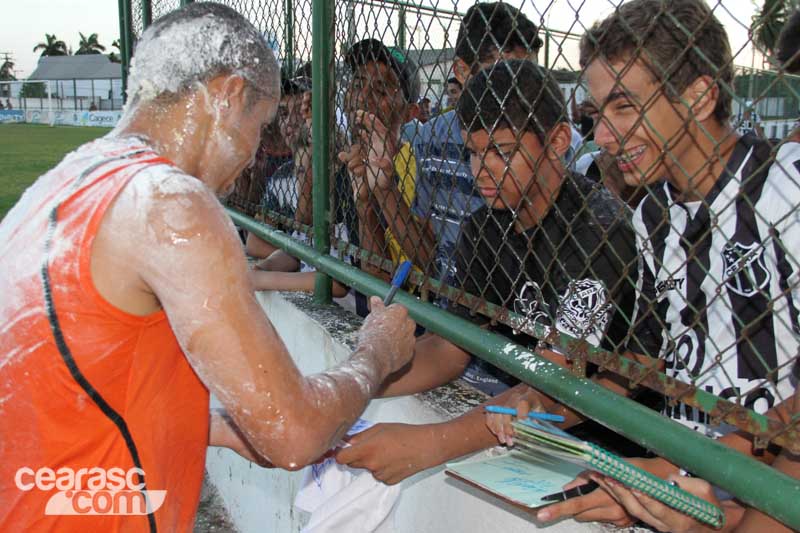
261,500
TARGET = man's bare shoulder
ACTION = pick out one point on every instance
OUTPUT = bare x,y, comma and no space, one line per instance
166,231
164,215
165,201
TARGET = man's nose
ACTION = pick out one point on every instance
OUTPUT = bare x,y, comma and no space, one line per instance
605,135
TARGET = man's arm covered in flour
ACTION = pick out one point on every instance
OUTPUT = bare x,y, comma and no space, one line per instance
196,269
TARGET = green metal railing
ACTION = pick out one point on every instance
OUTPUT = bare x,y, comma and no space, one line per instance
753,482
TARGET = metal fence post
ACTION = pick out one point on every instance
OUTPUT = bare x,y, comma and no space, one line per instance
322,61
125,42
546,48
289,37
401,29
147,13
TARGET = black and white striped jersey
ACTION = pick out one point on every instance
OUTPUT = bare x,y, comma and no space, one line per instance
719,283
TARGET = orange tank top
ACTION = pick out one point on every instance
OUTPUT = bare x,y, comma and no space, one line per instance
103,423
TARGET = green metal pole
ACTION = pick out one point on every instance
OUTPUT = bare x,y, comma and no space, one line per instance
321,66
753,482
546,48
147,13
123,7
186,2
401,29
289,37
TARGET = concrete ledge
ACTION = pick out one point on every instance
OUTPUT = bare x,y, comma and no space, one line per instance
262,500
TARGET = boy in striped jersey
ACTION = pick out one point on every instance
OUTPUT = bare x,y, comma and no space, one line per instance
718,225
718,285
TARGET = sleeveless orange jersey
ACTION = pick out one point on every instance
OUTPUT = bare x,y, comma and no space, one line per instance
84,385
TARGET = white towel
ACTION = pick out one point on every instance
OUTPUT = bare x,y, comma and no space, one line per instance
346,500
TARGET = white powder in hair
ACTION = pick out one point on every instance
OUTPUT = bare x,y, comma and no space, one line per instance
172,58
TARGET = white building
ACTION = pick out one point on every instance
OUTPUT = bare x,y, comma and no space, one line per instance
78,81
435,67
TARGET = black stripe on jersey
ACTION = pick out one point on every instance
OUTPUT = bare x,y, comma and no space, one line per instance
66,353
696,242
753,318
784,272
651,324
657,223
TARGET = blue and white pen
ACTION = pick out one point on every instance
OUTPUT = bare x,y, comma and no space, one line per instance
399,278
533,414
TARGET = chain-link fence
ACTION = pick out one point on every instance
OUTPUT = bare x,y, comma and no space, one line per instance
631,208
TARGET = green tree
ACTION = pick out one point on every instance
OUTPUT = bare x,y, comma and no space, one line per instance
33,90
89,45
52,46
115,57
768,23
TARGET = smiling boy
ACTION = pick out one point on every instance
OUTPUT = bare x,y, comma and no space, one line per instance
719,225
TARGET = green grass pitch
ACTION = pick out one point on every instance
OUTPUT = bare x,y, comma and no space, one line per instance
29,150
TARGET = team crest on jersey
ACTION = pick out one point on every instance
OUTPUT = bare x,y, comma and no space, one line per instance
529,299
584,308
529,304
745,268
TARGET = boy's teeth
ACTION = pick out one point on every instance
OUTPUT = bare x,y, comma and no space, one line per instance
627,157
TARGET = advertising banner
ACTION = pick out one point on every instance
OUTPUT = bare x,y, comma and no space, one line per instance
104,119
11,115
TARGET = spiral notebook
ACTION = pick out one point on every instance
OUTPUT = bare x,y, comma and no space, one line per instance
546,458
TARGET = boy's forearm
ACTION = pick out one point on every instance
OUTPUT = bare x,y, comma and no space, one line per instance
468,433
223,433
463,435
436,362
370,234
304,214
263,280
220,428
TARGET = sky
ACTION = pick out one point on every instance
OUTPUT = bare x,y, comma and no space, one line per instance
25,22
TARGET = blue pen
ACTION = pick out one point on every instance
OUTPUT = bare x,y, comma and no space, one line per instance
533,414
399,278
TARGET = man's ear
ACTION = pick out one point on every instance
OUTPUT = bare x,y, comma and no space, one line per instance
461,71
702,95
558,141
230,91
412,112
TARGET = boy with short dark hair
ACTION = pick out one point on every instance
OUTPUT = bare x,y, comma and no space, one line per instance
453,92
489,31
558,263
381,96
717,228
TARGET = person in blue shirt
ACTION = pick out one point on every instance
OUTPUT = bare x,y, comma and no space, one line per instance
489,32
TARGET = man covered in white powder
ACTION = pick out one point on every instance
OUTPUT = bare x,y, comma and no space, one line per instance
125,299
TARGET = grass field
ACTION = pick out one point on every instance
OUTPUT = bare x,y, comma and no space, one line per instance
29,150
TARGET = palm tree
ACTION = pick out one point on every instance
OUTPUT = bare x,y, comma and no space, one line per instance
768,22
52,46
113,56
7,71
89,45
